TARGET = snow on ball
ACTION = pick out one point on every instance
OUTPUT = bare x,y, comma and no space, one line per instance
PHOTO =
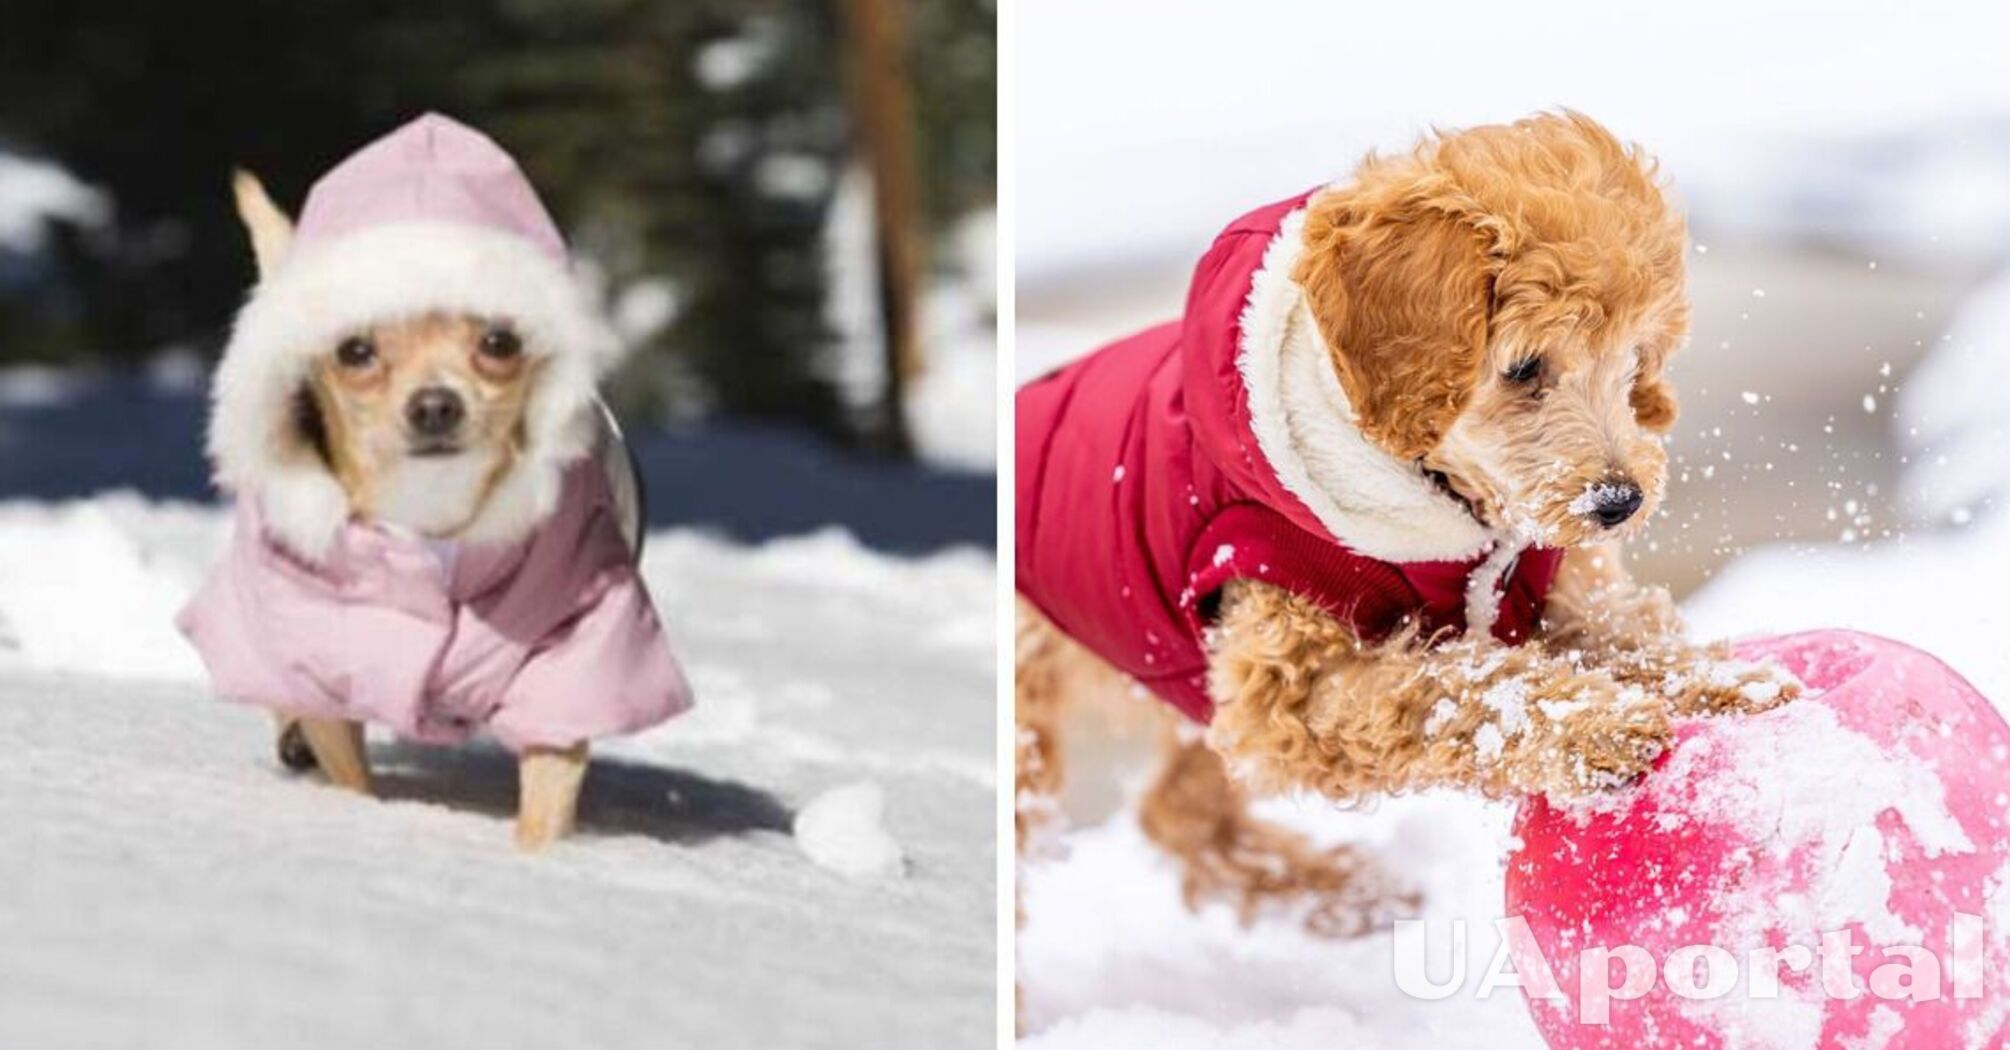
1831,875
843,830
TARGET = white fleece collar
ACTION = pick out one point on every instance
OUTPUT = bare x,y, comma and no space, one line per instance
319,295
1376,504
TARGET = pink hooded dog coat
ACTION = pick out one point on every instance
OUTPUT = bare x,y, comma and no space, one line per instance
537,626
1157,469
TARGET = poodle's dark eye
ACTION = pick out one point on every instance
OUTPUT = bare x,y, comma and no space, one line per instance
1526,370
355,352
501,344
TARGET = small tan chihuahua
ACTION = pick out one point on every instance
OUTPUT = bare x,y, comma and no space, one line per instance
427,534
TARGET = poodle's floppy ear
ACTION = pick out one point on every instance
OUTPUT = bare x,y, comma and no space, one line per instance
1653,396
1399,273
1653,400
271,231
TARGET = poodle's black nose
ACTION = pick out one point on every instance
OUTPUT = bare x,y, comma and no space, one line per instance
435,411
1612,504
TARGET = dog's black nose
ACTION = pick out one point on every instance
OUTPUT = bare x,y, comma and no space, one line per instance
435,411
1613,504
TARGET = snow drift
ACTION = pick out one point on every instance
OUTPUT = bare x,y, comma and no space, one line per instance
807,859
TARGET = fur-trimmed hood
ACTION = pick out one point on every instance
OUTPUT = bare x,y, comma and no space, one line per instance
1219,447
434,216
1267,382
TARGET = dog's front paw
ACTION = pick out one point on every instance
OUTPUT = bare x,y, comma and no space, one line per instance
1740,688
535,833
1594,746
1704,680
1711,682
1614,751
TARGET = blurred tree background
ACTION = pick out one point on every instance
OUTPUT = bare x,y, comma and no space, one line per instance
692,148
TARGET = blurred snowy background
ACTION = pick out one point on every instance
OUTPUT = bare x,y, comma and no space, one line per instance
1842,455
806,860
1846,174
714,166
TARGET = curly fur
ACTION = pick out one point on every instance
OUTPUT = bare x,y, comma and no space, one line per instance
1306,705
1428,277
1200,816
1193,810
1432,273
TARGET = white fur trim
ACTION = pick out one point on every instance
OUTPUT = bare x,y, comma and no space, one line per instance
323,292
298,504
1483,589
1369,500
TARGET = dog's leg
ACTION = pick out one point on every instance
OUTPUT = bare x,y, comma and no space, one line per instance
548,781
337,745
1195,812
1301,703
1040,661
1595,604
1634,634
1046,666
290,746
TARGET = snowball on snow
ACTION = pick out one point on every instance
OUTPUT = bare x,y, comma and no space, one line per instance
842,830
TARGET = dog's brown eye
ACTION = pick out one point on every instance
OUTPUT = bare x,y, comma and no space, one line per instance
1525,370
355,352
501,343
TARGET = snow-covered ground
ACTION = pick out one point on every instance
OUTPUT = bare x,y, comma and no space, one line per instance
1110,957
807,859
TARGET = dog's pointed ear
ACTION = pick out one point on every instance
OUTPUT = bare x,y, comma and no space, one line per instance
271,231
1399,273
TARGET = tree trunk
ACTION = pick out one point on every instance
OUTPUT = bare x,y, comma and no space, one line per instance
880,107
